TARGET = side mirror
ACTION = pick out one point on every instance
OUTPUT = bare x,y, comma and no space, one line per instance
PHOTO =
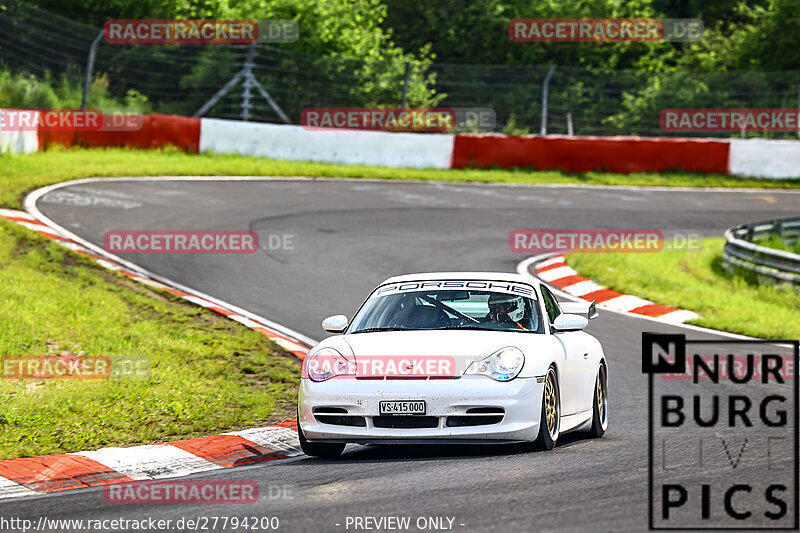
567,322
335,324
580,308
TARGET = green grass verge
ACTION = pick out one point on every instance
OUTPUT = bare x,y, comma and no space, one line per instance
208,373
697,282
23,173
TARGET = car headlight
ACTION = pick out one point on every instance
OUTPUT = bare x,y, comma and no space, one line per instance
502,365
325,364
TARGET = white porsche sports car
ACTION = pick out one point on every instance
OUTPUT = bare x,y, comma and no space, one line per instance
454,357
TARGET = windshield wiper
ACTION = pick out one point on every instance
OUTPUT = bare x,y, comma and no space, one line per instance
370,330
490,329
472,327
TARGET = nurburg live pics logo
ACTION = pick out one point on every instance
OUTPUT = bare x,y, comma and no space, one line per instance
722,433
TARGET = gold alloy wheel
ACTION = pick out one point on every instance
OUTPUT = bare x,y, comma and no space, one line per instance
601,395
551,405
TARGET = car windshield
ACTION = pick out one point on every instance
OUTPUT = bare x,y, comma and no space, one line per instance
448,309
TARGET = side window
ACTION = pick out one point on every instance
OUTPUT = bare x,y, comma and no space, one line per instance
550,304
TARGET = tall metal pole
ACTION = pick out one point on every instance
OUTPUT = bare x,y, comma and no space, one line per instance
405,83
545,91
247,73
90,68
249,81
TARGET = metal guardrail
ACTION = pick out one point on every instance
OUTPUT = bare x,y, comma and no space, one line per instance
769,264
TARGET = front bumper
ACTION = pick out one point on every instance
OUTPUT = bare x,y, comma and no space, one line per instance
520,400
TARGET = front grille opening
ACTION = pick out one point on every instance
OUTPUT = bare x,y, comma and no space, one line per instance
475,420
485,410
405,422
337,410
357,421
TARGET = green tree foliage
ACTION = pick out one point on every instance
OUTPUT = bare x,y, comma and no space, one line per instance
97,13
21,91
477,32
740,34
341,31
354,53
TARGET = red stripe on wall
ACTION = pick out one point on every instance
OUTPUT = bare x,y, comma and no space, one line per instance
183,132
156,131
584,154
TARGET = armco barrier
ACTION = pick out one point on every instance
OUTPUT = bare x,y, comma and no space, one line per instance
353,147
770,264
762,158
584,154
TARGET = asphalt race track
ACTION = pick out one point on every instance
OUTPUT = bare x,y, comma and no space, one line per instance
347,236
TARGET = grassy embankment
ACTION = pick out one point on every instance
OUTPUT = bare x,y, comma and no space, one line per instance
697,281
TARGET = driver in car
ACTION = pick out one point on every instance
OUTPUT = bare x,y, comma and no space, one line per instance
506,309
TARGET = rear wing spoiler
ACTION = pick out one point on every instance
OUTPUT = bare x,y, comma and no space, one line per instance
580,308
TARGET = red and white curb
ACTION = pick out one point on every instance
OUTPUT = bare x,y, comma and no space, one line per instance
49,473
555,271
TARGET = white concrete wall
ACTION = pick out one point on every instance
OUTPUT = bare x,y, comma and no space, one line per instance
18,142
352,147
764,158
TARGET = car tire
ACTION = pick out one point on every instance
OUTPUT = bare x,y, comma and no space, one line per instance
550,416
600,404
325,450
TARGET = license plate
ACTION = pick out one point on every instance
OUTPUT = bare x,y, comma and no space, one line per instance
403,407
